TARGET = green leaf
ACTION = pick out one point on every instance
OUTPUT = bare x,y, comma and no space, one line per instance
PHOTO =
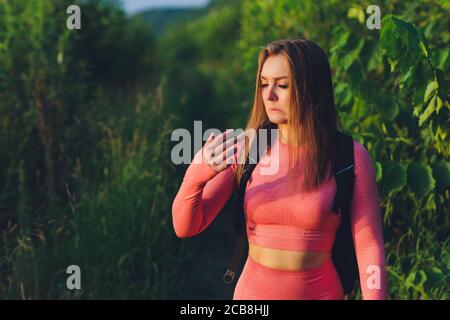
378,148
430,203
402,43
418,93
441,173
356,12
435,278
356,75
431,88
340,87
343,94
408,78
341,35
359,108
420,179
389,108
424,48
440,57
394,177
422,278
416,279
417,109
376,59
439,104
393,64
428,111
378,171
410,280
347,59
441,133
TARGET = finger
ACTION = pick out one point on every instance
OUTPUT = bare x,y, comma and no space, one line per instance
235,153
229,154
223,137
223,155
230,160
235,140
210,138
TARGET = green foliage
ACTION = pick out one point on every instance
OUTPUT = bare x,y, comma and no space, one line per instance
391,91
420,179
394,177
441,172
402,43
83,151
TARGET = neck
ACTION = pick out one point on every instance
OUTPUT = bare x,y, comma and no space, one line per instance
283,130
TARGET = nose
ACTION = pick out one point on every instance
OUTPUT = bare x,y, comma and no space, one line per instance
272,95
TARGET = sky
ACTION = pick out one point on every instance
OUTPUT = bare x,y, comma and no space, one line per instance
132,6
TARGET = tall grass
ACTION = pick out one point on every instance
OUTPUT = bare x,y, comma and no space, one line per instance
116,229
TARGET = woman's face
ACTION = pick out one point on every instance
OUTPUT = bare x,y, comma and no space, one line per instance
275,88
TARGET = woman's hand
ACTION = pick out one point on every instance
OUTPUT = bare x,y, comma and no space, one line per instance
221,151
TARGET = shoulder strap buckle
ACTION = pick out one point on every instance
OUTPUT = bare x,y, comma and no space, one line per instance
229,276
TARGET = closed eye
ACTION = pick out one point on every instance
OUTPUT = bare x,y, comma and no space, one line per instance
284,86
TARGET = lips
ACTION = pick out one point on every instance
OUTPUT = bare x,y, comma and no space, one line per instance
276,110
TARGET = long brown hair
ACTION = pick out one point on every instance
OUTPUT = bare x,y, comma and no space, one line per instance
312,114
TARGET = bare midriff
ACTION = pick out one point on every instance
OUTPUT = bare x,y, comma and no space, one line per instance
287,259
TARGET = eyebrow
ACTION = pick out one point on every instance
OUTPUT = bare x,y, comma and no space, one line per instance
276,78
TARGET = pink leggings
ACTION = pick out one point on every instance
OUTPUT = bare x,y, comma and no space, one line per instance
258,282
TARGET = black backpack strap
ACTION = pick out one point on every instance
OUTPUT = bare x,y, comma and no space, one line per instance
343,168
343,254
239,221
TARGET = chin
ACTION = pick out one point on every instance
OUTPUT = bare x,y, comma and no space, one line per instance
277,119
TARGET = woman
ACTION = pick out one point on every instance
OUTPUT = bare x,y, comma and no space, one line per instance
289,220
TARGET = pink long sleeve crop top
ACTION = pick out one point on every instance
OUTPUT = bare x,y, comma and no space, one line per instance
277,219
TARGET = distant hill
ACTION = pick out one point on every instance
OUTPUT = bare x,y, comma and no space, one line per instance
160,19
